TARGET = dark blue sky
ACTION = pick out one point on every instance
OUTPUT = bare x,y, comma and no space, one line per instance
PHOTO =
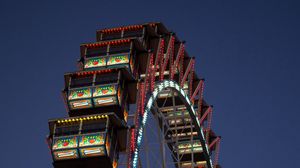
248,51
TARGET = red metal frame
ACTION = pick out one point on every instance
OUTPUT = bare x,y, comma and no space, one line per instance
168,54
204,116
113,42
187,71
191,80
197,89
119,29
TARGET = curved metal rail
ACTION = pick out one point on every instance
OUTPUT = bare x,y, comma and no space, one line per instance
174,86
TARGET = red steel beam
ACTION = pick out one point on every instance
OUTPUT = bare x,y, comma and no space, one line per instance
179,54
217,153
209,119
158,52
199,86
191,80
189,67
166,59
180,68
152,73
171,62
205,114
214,142
200,101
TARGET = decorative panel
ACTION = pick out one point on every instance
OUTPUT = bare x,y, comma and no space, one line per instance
91,140
105,90
95,62
118,59
80,93
65,143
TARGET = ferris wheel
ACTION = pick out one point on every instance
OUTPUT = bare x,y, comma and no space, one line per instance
135,102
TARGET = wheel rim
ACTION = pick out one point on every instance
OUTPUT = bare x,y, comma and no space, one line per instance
159,87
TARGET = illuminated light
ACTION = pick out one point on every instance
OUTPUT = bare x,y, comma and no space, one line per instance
73,119
80,104
168,83
87,152
84,118
193,110
206,148
162,95
106,116
58,121
155,92
66,154
182,92
92,151
201,162
159,87
150,101
172,83
145,116
197,120
109,100
188,100
201,131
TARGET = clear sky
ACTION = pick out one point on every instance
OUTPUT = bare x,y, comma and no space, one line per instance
248,51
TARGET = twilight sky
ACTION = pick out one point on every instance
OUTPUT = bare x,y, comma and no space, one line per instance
248,51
